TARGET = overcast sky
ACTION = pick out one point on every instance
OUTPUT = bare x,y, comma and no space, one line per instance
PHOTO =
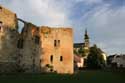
104,19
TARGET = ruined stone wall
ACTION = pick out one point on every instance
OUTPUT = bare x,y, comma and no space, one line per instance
29,52
8,18
8,38
39,50
8,34
34,48
57,49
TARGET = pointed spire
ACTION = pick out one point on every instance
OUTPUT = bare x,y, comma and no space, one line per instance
86,31
86,34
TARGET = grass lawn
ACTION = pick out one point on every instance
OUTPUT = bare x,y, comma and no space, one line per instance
89,76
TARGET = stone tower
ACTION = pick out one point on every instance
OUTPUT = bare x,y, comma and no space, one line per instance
57,49
86,43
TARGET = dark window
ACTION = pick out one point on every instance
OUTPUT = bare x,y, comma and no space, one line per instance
51,58
1,24
20,43
37,39
0,8
58,42
40,60
55,43
61,58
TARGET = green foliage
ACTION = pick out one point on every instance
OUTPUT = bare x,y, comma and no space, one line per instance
49,66
76,52
80,52
95,58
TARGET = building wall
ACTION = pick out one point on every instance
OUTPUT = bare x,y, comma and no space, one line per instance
33,47
29,53
63,48
8,34
8,18
8,39
120,60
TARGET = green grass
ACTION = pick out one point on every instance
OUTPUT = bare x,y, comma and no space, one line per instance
83,76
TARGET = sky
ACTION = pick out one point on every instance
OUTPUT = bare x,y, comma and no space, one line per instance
104,19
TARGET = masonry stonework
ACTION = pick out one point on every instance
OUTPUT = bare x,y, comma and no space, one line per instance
29,49
35,49
57,49
8,38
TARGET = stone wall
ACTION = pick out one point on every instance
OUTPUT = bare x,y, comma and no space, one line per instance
29,51
8,34
8,18
35,49
8,37
57,49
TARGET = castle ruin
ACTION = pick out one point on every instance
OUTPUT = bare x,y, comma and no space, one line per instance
35,49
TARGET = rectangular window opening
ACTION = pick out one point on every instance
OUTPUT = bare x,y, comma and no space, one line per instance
55,43
51,58
40,60
1,24
61,58
58,42
0,8
37,39
20,43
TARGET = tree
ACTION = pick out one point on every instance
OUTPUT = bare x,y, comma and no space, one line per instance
95,58
75,51
81,51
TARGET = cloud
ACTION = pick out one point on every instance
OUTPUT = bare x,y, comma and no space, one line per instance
90,1
51,15
40,12
108,26
104,19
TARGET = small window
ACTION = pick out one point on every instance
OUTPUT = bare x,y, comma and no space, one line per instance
61,58
55,44
58,42
0,8
20,43
1,24
51,58
37,39
40,60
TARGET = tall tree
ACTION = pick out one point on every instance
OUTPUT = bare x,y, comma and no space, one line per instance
95,58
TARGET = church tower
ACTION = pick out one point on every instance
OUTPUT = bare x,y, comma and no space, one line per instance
86,44
86,39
